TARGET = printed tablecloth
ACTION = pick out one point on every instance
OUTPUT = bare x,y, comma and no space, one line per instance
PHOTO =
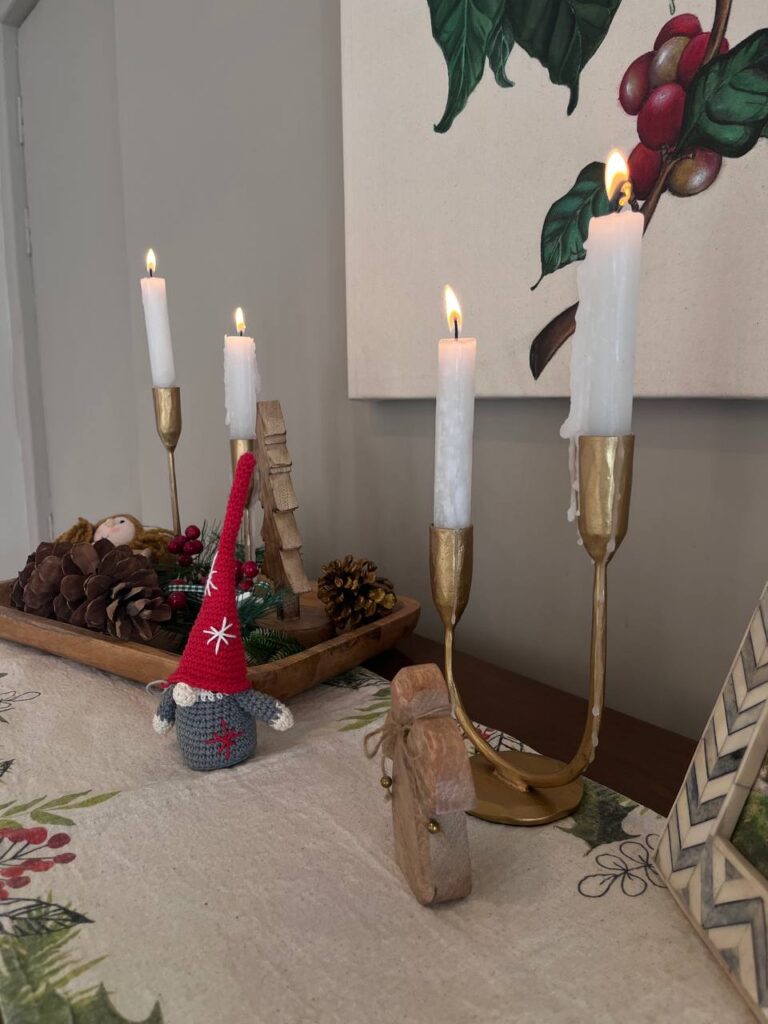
132,889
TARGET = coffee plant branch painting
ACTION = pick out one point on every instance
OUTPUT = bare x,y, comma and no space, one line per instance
497,195
561,34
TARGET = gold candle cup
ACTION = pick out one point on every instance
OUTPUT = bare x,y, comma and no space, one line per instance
167,403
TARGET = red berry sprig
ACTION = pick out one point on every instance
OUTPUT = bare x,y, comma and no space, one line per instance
186,545
20,855
653,89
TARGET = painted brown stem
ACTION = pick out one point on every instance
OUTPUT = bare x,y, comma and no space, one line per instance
649,206
552,338
719,28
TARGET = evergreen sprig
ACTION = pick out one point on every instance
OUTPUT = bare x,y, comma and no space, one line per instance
263,645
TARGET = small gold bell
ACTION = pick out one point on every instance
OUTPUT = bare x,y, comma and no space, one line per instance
432,826
386,781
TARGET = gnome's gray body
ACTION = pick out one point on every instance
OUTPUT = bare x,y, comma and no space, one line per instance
217,730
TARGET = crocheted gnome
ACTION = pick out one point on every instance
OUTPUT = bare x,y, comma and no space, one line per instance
209,697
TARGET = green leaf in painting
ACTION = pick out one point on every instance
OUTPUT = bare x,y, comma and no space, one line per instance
726,108
562,34
567,223
499,48
462,29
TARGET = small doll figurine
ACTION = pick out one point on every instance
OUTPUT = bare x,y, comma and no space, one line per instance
209,698
122,529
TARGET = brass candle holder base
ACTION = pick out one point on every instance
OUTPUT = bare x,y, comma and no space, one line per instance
522,788
497,800
238,447
168,421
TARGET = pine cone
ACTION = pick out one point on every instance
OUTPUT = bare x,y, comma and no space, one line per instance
37,584
352,592
102,587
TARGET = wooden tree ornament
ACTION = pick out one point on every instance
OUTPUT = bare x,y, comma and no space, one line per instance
431,786
279,532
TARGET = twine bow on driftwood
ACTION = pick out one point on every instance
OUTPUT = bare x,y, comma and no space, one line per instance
390,735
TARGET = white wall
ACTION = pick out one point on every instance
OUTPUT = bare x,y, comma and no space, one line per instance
72,149
229,126
14,525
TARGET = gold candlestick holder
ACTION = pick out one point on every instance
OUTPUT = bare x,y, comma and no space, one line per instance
519,787
238,447
168,421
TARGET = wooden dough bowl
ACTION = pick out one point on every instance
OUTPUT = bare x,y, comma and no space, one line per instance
143,663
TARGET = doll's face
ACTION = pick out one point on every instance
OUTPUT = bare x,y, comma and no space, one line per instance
118,529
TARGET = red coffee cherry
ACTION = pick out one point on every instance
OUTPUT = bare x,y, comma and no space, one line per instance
176,545
680,25
695,174
192,532
693,55
184,560
644,169
661,118
666,61
250,569
634,88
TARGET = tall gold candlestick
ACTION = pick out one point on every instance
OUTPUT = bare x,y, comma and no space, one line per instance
168,421
517,787
238,447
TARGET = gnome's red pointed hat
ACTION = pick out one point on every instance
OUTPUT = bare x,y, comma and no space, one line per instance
214,657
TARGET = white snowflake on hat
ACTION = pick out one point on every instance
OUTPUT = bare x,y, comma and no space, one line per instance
209,695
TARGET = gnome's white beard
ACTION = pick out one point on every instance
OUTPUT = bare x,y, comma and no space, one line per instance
185,695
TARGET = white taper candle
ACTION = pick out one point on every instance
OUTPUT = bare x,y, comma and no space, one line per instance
242,382
154,297
603,352
454,424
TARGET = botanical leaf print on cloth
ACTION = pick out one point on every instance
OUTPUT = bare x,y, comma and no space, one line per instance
618,842
37,973
37,968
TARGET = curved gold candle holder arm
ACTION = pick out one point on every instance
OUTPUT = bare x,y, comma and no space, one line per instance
521,787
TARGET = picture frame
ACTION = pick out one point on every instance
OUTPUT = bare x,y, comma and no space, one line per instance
713,853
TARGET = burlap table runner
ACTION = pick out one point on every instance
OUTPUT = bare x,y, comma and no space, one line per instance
269,892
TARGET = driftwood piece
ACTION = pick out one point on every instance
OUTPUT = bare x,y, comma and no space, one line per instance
431,786
279,532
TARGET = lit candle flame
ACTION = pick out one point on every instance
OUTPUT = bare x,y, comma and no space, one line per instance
617,177
452,310
151,261
239,320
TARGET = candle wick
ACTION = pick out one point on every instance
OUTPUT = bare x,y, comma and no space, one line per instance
456,328
151,272
241,333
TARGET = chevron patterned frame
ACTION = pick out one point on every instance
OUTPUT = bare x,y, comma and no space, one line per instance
725,897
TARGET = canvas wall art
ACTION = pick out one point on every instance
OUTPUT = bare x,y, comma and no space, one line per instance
525,100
